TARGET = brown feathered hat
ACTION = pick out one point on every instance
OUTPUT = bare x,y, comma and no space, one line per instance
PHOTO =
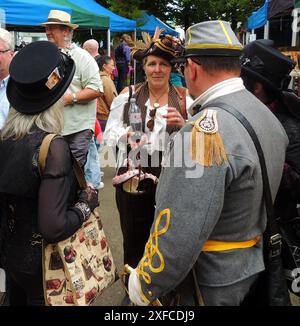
167,47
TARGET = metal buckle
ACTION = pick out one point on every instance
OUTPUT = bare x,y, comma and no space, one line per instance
275,239
275,243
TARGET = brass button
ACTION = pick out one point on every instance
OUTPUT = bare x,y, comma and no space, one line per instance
150,293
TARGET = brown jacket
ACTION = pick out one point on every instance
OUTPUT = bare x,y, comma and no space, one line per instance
106,98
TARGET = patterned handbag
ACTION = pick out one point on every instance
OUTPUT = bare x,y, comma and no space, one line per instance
78,269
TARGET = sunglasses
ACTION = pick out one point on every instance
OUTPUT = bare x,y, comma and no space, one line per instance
182,65
151,122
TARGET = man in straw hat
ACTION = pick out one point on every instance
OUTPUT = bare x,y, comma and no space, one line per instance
205,245
80,99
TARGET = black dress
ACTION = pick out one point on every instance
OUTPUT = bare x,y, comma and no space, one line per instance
33,208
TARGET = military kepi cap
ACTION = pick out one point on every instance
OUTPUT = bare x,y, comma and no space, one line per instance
39,76
211,38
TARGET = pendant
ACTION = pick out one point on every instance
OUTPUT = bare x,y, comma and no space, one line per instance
156,105
150,125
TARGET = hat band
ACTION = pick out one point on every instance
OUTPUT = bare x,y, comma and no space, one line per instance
213,52
214,46
55,20
163,48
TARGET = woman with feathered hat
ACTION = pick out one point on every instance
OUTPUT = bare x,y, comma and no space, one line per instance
163,111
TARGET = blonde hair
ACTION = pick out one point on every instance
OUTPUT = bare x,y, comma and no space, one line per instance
7,38
19,125
127,38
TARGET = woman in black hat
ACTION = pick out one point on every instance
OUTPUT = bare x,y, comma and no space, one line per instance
35,205
163,111
266,73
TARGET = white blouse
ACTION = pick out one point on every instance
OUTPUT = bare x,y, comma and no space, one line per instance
116,128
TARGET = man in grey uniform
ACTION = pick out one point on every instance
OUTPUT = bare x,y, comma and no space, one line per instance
210,213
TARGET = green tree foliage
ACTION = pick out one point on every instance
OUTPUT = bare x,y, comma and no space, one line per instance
188,12
158,8
132,8
125,8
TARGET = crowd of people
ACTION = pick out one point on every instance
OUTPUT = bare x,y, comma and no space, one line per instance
190,193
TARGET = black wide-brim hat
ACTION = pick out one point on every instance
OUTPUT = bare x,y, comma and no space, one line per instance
39,76
265,64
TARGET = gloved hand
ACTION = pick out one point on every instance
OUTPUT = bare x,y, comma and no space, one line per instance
90,197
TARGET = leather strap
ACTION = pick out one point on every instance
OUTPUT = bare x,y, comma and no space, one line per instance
181,91
44,149
272,237
199,301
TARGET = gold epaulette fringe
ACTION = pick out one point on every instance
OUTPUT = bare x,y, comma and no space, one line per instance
207,146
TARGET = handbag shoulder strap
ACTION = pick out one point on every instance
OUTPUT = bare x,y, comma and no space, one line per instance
272,227
44,149
130,93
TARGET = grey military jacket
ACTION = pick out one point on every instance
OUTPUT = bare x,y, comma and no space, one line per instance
223,203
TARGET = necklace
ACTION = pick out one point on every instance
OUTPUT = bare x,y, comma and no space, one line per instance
156,104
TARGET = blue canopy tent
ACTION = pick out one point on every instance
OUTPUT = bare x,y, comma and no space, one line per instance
258,18
84,18
148,23
276,17
270,9
28,12
117,23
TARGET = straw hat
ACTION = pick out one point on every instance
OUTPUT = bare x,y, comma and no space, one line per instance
59,17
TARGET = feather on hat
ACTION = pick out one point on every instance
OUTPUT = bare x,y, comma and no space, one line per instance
166,47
